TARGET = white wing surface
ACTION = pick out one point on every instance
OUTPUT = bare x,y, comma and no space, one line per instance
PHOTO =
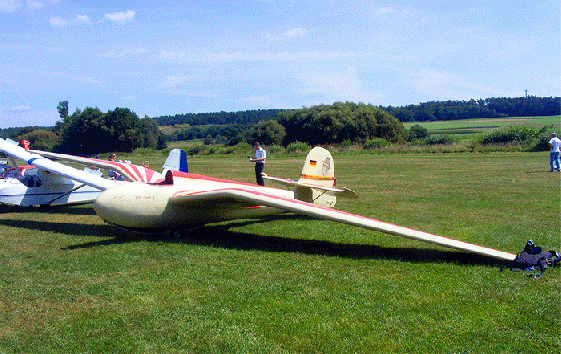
250,197
55,167
129,171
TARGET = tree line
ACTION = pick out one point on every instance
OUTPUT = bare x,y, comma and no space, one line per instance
482,108
243,118
321,124
495,107
91,131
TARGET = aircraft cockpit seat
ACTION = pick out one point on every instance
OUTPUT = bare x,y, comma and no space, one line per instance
31,181
169,178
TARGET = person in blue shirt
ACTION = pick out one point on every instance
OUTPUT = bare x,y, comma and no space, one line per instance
259,159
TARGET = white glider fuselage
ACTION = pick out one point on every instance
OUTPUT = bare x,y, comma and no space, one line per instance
150,206
40,187
14,192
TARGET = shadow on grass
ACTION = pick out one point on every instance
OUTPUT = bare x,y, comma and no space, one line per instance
221,236
75,209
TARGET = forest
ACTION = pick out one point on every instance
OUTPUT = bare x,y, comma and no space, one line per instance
91,131
482,108
422,112
228,127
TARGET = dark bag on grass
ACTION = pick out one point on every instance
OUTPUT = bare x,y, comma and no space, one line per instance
533,258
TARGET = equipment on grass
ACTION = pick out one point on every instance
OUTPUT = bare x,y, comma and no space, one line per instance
532,258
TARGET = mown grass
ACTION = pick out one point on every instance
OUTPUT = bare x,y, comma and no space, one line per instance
70,283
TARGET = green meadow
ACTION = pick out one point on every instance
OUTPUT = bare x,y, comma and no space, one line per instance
469,129
72,284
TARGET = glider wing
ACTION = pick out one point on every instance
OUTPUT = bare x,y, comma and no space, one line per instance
246,197
129,171
55,167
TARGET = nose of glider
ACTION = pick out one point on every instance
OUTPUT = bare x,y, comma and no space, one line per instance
106,206
133,205
118,205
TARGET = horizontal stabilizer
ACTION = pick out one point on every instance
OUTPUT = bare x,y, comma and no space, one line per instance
337,192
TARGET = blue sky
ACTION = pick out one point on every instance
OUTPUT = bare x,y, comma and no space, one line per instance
167,57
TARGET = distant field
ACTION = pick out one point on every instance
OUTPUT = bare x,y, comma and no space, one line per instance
72,284
478,127
464,129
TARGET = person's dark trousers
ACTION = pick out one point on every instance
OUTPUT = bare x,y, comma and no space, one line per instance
258,170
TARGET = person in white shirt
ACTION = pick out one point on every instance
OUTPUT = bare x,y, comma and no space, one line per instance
259,159
555,145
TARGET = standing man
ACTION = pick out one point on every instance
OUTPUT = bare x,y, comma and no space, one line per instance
555,145
259,159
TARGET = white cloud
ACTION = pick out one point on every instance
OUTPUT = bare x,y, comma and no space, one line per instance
121,17
14,5
57,22
174,80
82,19
16,109
10,5
345,86
60,22
293,33
35,5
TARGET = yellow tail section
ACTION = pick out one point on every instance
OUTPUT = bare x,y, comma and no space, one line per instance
318,170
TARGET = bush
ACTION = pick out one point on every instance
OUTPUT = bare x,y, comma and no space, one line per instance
297,147
542,144
266,133
375,143
417,132
195,149
40,139
275,149
335,124
438,140
510,134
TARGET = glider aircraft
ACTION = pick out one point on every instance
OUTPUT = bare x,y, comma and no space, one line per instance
32,185
183,200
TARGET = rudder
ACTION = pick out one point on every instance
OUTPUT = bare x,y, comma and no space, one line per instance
177,161
318,170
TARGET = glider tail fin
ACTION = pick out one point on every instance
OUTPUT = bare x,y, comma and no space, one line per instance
318,170
177,161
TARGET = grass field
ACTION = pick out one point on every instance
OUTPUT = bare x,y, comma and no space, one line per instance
72,284
467,129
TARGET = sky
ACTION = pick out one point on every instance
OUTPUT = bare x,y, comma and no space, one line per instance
171,57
